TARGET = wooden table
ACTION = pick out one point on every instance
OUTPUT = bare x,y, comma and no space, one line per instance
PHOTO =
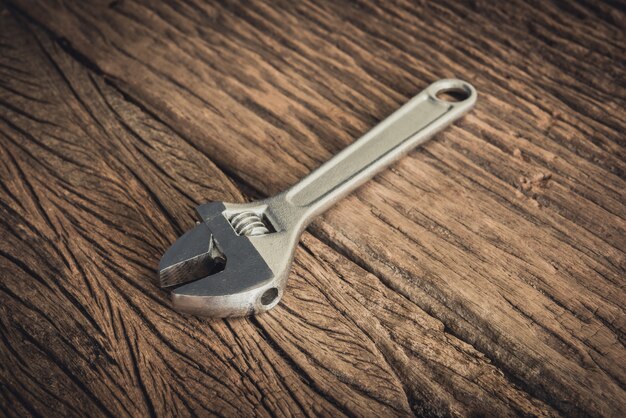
482,274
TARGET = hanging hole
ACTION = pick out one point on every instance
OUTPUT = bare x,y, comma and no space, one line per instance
269,296
453,94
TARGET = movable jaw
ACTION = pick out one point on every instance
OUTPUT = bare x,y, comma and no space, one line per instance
216,270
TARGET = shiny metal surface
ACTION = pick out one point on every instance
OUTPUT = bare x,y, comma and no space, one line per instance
236,262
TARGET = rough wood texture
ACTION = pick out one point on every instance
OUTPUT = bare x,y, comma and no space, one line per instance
483,274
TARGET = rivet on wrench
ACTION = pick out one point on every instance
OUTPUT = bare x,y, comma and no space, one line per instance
237,260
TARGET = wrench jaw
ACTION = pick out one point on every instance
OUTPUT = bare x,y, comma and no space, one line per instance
193,256
250,280
201,298
248,285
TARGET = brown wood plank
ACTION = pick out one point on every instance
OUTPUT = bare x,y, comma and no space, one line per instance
505,234
91,196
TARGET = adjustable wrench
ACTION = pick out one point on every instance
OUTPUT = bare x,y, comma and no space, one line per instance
236,261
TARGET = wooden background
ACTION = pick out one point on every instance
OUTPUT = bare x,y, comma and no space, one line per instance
484,274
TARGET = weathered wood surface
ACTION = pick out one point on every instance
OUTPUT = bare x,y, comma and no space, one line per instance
483,274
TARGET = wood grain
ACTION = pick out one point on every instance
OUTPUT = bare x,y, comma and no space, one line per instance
483,274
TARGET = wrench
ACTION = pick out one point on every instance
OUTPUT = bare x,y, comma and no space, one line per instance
237,260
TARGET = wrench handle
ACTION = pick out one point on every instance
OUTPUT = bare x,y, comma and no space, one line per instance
409,126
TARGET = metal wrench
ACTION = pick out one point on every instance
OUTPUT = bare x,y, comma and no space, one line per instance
237,260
